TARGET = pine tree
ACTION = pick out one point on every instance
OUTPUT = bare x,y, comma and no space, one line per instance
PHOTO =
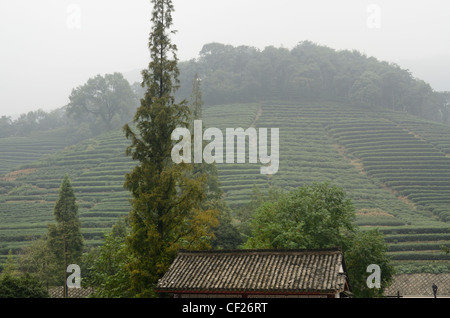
166,214
65,240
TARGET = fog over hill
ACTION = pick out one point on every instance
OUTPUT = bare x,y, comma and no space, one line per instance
57,46
428,69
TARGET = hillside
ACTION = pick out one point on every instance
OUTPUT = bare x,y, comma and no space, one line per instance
395,167
15,151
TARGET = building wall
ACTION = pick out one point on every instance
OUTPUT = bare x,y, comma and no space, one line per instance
419,285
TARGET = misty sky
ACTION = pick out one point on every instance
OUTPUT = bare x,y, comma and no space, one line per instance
48,47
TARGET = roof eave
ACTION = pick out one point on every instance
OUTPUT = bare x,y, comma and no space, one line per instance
248,292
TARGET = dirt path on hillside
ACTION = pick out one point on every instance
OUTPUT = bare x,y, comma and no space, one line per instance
12,176
360,167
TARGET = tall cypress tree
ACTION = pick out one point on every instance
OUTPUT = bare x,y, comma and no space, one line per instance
166,207
65,240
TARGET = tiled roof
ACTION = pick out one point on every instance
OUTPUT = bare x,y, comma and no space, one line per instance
58,292
279,271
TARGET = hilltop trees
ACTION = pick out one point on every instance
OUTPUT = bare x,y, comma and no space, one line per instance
444,103
32,122
166,206
308,72
366,90
107,98
102,103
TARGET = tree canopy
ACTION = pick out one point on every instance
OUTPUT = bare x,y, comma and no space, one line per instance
106,97
21,287
308,72
320,216
317,216
105,266
15,284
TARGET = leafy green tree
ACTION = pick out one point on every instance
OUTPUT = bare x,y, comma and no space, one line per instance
393,84
10,266
5,126
246,212
317,216
64,238
14,284
106,264
166,213
366,91
444,106
106,97
368,248
320,216
417,98
21,287
38,260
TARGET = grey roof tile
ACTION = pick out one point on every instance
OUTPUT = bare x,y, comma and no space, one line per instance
255,270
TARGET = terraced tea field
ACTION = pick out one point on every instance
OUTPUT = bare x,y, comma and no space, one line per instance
96,167
15,151
411,166
394,167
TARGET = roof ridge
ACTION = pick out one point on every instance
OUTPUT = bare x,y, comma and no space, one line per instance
259,251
